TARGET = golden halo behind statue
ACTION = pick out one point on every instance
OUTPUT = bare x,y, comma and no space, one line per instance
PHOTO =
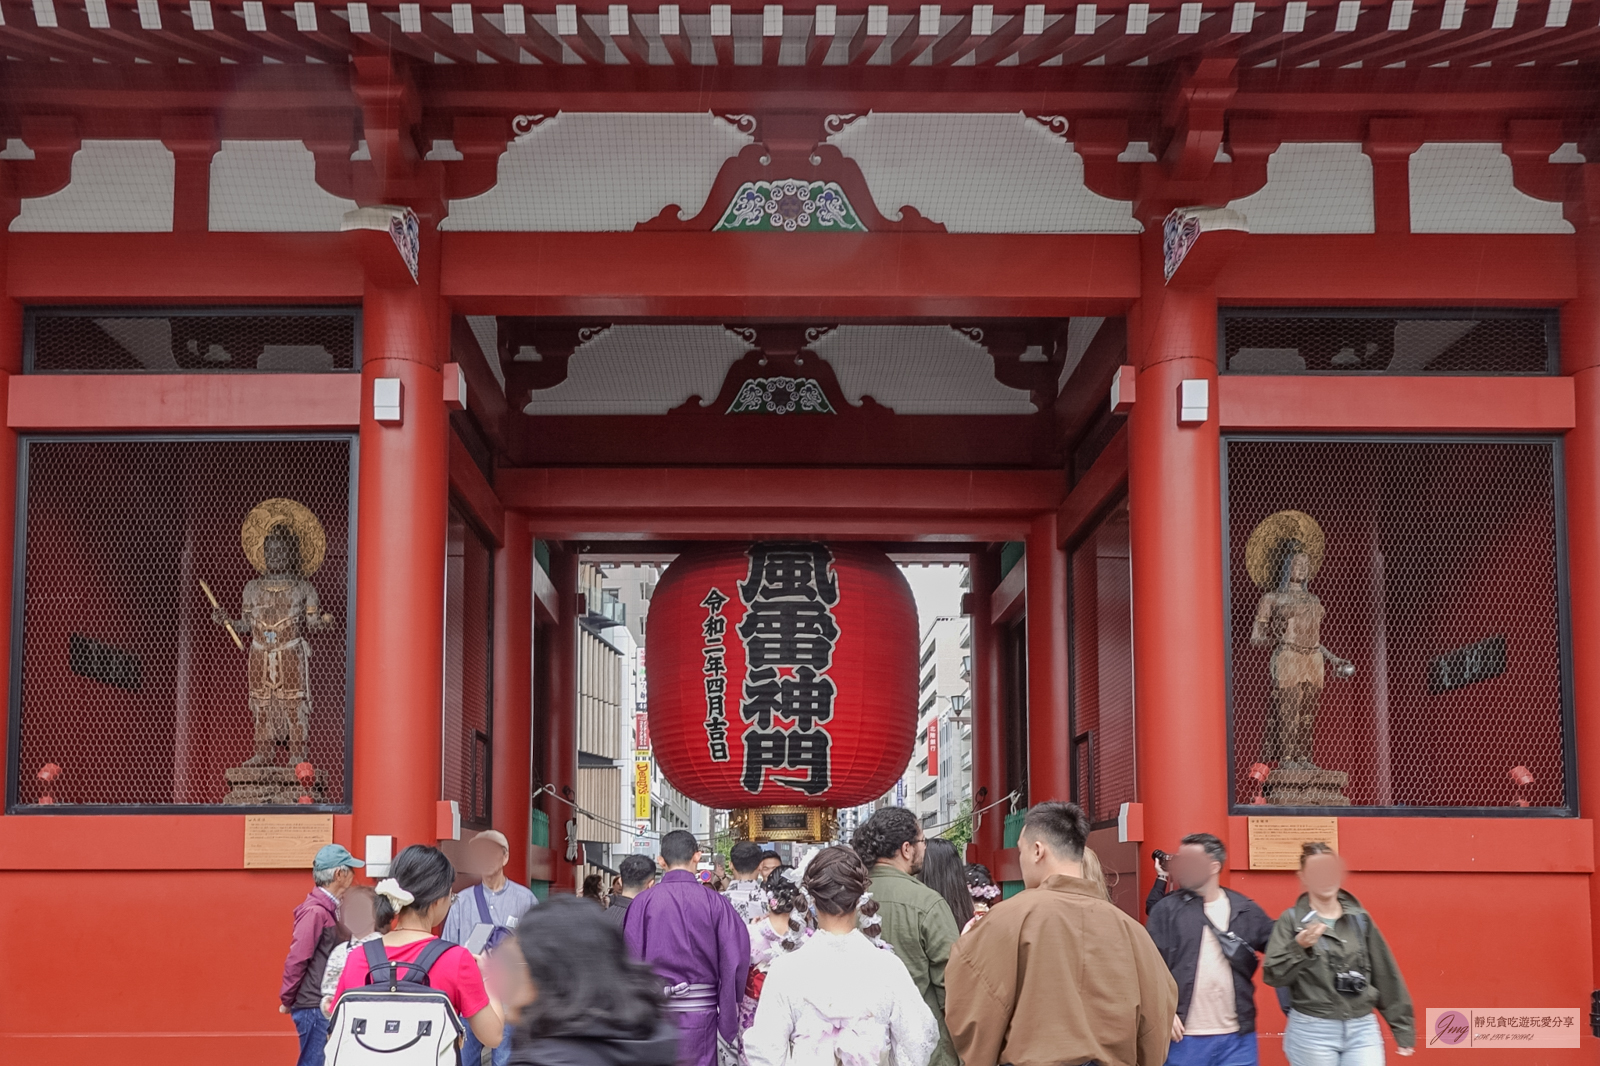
1263,553
293,516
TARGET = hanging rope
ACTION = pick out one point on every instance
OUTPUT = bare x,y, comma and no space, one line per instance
550,790
1010,797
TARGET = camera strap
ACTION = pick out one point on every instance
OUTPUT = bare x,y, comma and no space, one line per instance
1363,958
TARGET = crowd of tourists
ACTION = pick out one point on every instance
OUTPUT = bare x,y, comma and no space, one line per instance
890,951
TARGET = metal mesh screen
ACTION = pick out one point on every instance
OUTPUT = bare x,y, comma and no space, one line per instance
1435,575
126,341
468,671
1379,342
1102,668
129,690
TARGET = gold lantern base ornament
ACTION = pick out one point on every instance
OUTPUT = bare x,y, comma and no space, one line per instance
810,825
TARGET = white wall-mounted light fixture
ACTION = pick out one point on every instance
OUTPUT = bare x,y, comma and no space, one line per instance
386,397
1194,400
379,854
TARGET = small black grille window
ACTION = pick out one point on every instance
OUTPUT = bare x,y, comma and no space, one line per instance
1408,343
193,341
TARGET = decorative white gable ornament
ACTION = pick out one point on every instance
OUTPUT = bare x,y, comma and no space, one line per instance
1184,226
790,205
781,396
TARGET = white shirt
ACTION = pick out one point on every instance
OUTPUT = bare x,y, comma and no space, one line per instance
840,1000
748,898
1212,1007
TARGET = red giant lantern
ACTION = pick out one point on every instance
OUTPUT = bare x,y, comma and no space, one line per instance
783,678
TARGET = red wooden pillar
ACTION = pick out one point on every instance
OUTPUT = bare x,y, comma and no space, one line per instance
10,364
1049,715
1175,515
513,687
988,709
558,746
400,546
1580,358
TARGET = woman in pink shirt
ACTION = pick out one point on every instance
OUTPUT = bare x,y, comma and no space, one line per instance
411,904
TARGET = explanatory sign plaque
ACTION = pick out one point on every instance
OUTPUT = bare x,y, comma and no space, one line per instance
1275,842
284,841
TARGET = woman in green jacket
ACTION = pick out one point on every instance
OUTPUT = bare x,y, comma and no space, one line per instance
1327,952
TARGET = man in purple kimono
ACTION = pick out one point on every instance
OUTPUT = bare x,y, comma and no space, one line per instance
699,945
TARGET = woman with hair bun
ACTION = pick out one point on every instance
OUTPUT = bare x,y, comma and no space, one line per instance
411,902
775,934
839,1000
984,892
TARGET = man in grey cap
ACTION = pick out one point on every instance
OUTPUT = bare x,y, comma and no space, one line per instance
495,902
316,931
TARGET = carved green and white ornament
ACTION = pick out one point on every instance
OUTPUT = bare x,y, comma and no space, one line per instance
790,205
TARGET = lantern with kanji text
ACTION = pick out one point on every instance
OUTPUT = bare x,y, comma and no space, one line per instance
783,681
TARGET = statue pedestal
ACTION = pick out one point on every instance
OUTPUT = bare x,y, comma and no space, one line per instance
258,786
1308,787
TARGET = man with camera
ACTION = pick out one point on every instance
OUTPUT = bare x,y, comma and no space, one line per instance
1209,936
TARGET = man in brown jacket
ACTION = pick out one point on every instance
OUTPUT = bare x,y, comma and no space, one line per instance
1058,976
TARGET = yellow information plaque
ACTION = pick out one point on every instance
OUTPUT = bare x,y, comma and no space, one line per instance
284,841
1275,842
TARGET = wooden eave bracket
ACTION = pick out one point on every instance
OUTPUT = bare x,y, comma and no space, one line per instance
481,141
555,345
1195,124
1196,113
1394,139
391,125
1006,348
1529,143
54,140
391,112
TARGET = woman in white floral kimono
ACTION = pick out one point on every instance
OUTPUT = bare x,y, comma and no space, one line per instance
840,999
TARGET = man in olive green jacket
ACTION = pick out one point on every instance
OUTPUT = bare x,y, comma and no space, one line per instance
917,922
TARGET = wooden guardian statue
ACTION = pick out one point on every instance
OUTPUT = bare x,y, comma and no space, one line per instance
286,544
1282,556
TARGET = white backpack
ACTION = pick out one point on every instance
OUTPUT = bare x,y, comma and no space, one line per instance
394,1020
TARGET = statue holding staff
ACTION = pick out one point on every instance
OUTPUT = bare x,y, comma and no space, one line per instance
286,544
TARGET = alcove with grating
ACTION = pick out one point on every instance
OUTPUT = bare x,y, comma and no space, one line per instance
126,679
1438,567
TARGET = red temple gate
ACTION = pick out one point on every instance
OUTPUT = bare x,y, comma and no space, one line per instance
1011,300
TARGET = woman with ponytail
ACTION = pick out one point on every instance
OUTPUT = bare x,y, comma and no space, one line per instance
839,999
411,902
